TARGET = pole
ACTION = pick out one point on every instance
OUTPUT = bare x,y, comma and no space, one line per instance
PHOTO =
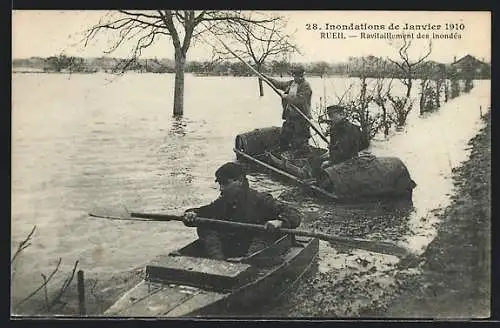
275,89
81,293
286,174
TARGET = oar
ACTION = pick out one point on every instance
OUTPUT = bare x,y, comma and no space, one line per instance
286,174
369,245
274,88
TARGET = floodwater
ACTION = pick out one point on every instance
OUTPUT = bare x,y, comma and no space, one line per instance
81,142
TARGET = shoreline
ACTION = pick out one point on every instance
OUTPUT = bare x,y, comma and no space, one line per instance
456,266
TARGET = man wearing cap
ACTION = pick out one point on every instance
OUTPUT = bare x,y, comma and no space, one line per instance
239,203
295,131
345,137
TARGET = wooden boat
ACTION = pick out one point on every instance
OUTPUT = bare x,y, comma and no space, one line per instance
185,283
365,177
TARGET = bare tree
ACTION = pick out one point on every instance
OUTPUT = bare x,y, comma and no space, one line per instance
49,304
358,110
425,76
382,90
440,81
259,42
407,67
143,28
432,79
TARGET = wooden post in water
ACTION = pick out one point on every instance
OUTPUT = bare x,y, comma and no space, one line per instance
81,292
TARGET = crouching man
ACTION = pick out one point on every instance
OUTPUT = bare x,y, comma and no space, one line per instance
239,203
345,137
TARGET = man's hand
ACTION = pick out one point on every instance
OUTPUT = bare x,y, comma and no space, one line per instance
273,225
189,219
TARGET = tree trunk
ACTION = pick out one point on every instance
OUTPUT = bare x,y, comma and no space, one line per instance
438,93
422,97
408,88
180,64
384,118
261,88
446,91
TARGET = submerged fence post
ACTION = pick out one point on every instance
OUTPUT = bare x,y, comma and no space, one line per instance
81,293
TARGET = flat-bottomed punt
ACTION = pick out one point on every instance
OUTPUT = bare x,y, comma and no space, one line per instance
187,284
365,177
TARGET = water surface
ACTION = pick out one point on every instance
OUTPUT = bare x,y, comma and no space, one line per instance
86,141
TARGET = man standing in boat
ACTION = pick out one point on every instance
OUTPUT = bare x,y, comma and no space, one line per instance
239,203
345,137
295,132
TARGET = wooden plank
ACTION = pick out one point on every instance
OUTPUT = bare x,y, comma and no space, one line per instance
197,264
200,300
158,303
140,291
209,274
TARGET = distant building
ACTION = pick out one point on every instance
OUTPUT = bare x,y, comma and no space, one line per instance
471,67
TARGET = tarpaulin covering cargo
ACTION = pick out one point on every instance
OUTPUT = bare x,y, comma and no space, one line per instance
368,176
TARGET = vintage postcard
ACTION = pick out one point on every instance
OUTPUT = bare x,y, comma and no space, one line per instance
251,164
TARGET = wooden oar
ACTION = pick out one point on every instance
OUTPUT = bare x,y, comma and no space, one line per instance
369,245
274,88
286,174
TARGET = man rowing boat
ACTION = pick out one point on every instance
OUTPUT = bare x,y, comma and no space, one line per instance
239,203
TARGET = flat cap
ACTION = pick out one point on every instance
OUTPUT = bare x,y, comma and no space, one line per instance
335,109
229,170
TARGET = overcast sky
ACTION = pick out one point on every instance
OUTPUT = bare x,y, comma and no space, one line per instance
46,33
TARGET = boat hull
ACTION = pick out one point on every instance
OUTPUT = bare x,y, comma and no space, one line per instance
362,178
261,280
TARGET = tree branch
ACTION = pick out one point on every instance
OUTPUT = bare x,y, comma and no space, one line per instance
42,286
23,245
128,13
167,19
64,287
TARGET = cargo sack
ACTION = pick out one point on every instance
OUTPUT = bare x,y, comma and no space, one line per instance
258,141
368,176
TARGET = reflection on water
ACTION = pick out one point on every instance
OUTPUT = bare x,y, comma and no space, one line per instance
81,142
178,126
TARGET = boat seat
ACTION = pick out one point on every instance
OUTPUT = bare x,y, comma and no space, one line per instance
197,271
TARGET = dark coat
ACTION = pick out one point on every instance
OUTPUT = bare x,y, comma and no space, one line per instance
302,100
345,141
258,208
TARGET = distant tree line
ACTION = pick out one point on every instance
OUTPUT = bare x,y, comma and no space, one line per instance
278,68
367,67
63,63
377,104
375,67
